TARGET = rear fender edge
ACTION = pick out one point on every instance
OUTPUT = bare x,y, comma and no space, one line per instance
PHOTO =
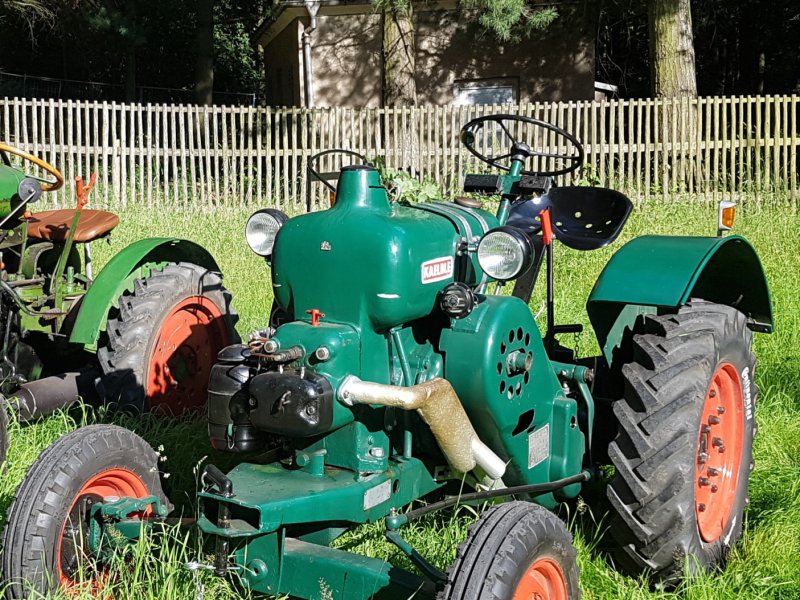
665,272
117,276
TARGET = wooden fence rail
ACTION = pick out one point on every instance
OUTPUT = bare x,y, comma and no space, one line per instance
207,156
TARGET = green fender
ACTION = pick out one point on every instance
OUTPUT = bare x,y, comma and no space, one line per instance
117,276
666,271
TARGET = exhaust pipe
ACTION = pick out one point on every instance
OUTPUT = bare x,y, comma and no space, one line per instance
439,406
42,397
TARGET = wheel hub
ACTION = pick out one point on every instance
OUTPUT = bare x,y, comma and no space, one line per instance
185,349
719,452
544,580
73,558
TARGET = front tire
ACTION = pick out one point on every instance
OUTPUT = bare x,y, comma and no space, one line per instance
683,452
165,339
516,551
43,540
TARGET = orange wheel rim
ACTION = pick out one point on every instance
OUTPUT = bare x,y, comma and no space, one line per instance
544,580
719,453
185,349
111,483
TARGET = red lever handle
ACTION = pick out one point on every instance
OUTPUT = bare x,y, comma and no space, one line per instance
316,315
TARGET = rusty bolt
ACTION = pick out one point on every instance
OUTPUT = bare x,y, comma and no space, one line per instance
703,481
712,393
714,489
712,472
713,420
701,507
717,442
721,410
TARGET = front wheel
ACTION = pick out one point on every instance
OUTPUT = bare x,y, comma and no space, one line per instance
684,449
516,551
165,339
44,543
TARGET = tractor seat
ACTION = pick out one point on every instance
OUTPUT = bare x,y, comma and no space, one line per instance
583,218
53,225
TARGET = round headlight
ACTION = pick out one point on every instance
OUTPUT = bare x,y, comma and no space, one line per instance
262,228
505,253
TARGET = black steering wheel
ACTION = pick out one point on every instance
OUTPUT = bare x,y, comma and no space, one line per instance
525,135
326,177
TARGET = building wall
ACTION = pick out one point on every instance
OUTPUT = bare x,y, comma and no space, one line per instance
557,64
347,60
452,49
284,68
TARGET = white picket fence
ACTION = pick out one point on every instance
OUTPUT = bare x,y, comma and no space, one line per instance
208,156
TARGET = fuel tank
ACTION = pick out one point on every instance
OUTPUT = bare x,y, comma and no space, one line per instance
368,261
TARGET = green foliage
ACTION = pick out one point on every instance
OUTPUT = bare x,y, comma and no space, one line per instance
90,40
404,187
512,20
507,20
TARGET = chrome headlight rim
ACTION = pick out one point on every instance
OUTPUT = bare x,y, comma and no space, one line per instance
517,241
262,229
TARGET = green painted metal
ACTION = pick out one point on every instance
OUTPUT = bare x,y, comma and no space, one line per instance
296,496
371,264
10,179
512,412
116,278
667,271
317,572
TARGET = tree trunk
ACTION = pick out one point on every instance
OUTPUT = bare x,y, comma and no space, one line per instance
204,72
399,86
672,67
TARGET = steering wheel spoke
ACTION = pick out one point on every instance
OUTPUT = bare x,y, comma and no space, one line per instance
556,163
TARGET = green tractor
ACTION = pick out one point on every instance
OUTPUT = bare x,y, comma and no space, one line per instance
393,370
143,334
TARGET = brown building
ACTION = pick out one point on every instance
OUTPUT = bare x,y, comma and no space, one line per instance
457,62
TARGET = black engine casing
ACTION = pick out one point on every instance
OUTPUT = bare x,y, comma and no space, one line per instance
292,403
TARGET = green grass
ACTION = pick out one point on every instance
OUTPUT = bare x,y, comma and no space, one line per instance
764,564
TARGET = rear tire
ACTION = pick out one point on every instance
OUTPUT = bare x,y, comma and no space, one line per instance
683,452
165,339
516,551
39,554
3,430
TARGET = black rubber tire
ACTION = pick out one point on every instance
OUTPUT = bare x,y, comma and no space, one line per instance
3,430
38,514
654,453
501,547
132,333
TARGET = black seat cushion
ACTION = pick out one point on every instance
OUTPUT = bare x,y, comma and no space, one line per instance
583,218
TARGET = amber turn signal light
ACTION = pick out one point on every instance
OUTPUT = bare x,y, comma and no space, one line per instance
726,216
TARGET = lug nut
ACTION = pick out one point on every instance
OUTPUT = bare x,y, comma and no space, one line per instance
717,442
721,410
714,489
713,420
712,472
705,428
701,507
703,481
702,458
712,393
